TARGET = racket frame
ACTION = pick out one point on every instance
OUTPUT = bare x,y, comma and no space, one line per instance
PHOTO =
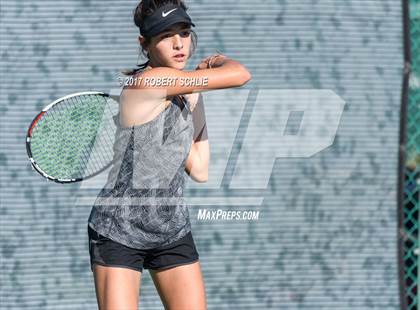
39,117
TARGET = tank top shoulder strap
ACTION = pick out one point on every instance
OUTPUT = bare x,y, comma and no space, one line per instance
182,102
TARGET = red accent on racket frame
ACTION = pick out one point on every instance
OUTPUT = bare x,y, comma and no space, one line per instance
34,122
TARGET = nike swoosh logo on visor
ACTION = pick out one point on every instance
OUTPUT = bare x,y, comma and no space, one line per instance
167,13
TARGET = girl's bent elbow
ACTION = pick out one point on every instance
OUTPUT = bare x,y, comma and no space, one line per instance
245,77
203,178
248,77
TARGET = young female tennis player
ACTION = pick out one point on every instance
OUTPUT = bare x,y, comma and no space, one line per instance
140,220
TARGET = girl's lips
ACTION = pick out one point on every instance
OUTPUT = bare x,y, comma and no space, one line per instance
179,58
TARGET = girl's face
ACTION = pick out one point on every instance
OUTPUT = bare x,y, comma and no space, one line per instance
165,46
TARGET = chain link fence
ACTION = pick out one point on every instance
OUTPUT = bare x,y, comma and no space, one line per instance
411,250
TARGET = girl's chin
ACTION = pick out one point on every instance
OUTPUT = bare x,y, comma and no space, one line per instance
178,65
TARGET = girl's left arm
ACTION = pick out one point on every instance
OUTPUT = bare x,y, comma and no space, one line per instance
197,164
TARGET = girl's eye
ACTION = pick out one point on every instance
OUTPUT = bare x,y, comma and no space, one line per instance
185,33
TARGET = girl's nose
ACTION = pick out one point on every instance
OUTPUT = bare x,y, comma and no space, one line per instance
177,41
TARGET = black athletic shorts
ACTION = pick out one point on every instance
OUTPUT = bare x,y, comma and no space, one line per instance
107,252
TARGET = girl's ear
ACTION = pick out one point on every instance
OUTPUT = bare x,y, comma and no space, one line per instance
142,41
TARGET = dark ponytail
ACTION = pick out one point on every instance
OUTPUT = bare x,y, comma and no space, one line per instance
146,8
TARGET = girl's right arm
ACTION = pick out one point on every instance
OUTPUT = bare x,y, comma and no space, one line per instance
225,73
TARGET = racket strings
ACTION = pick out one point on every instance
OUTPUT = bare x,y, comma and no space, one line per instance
99,155
75,137
85,152
107,142
104,139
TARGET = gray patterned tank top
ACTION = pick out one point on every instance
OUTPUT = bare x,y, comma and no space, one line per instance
141,204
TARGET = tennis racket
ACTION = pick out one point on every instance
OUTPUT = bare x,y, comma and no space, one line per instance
72,138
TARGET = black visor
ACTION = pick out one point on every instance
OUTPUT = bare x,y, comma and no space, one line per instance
163,18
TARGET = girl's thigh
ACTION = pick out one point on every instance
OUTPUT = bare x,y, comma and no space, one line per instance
181,287
116,287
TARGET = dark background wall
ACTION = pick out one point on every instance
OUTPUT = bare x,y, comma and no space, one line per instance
326,236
